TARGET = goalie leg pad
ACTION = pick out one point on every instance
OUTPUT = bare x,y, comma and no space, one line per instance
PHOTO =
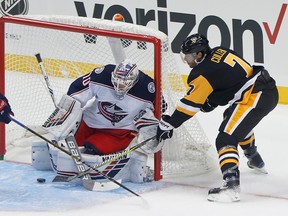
115,169
138,171
133,168
40,155
53,157
65,164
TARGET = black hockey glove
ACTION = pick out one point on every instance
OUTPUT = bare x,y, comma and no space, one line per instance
5,110
165,129
207,107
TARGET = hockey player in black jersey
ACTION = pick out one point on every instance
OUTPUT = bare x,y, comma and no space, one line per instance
219,76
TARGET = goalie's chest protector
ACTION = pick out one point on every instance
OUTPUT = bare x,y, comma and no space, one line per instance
108,111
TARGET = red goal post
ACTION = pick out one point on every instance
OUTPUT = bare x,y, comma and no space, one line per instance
66,56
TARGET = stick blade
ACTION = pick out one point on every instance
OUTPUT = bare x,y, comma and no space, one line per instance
99,186
88,184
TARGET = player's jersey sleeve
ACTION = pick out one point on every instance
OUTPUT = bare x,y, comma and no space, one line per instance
199,90
81,89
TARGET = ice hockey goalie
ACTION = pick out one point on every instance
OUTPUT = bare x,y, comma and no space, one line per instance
108,110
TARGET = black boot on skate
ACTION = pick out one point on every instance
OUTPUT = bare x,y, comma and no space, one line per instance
228,192
255,160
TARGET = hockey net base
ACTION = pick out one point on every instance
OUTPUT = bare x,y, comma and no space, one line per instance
68,53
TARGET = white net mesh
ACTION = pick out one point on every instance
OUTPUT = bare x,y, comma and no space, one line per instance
68,55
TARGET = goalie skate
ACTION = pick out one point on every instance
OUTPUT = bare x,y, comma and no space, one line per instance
228,192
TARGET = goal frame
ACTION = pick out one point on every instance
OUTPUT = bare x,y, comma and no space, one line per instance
85,30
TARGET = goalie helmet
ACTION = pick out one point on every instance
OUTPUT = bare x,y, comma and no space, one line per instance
124,77
195,43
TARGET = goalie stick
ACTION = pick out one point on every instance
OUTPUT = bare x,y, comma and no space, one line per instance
74,157
42,68
74,150
61,178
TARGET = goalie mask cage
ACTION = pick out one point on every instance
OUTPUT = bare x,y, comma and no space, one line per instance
71,47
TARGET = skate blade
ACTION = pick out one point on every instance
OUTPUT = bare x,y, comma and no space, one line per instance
224,196
258,170
261,170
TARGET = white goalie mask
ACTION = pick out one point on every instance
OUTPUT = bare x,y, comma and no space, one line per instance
124,77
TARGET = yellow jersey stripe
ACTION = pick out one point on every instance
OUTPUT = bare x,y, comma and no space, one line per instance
240,112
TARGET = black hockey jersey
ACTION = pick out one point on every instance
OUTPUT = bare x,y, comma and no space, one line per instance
223,77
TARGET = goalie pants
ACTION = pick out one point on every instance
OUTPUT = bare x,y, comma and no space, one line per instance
103,141
237,126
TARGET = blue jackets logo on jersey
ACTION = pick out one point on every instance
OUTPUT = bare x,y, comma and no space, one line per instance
111,112
99,70
151,87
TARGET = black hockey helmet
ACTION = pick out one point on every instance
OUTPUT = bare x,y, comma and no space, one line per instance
195,43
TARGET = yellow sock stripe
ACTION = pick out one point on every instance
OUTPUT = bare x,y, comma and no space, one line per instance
227,150
248,141
228,161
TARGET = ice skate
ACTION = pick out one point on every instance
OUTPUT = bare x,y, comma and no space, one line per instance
255,161
228,192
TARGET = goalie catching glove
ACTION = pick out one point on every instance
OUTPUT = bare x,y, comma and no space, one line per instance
65,119
146,123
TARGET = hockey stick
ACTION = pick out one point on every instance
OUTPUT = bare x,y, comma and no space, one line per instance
61,178
73,148
77,159
42,68
72,145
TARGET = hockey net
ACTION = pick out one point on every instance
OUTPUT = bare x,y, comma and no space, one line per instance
73,46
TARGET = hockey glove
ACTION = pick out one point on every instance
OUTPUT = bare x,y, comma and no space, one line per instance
65,119
147,125
5,110
207,107
165,129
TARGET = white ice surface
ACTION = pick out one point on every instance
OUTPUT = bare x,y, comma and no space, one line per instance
261,195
